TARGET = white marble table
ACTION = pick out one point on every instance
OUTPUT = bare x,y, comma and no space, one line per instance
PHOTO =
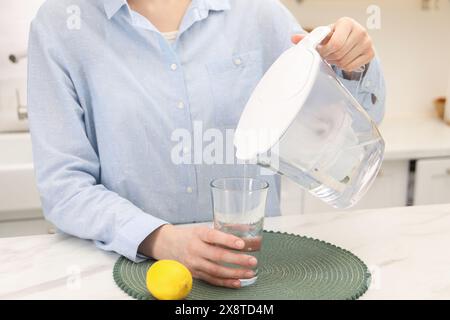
407,250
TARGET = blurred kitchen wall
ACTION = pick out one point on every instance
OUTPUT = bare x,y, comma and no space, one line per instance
15,17
413,44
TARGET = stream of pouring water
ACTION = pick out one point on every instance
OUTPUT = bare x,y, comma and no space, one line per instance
244,188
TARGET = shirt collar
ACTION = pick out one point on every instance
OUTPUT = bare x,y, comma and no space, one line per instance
214,5
113,6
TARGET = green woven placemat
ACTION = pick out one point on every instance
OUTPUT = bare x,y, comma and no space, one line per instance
290,267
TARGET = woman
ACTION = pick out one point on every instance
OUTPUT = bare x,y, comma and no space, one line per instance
110,81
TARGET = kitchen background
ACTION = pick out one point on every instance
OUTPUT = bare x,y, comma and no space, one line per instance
413,42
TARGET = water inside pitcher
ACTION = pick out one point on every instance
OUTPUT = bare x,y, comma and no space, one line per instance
323,138
332,148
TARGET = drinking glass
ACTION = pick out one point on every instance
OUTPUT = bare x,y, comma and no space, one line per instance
239,206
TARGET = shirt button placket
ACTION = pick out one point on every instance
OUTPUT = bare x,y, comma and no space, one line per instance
181,106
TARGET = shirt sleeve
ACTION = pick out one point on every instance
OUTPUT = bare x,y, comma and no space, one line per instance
369,89
67,166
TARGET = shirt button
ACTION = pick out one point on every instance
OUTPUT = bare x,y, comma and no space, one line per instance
368,83
237,61
189,190
173,66
180,105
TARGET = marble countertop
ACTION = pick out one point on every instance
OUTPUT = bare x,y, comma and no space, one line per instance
406,250
415,137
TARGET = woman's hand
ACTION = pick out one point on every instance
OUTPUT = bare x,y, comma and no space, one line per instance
349,46
201,250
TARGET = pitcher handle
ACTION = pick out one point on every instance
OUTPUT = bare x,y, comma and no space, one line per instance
315,37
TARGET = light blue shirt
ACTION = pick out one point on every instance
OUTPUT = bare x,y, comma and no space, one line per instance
107,91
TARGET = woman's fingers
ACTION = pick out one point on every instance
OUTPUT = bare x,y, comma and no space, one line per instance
218,254
228,283
349,47
350,44
357,63
218,271
296,38
364,49
205,255
349,58
341,32
216,237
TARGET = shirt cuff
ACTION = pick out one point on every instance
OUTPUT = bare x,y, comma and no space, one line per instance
356,75
131,234
369,90
361,81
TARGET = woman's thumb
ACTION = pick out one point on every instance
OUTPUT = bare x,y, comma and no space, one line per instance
296,38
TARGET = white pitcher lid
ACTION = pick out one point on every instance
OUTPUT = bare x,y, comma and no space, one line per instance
278,97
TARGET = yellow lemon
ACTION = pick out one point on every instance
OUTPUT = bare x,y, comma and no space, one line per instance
169,280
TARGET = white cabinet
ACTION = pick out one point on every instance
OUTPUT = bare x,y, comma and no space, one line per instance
432,181
18,190
390,189
20,206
